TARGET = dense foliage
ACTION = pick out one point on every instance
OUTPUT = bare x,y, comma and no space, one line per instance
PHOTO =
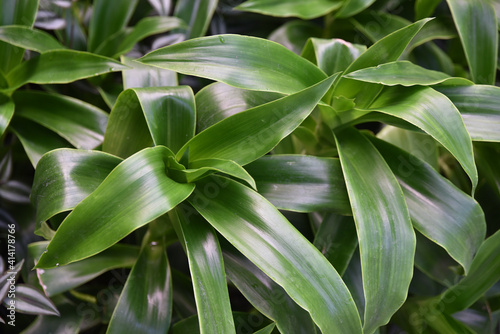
260,166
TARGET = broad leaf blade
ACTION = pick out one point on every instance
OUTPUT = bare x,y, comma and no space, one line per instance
203,167
386,237
197,14
304,9
248,135
240,61
114,210
477,27
30,39
141,75
265,237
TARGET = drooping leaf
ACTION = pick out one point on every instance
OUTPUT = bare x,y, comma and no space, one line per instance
165,116
218,101
267,296
265,237
6,112
30,39
57,280
436,115
197,14
477,27
438,209
479,106
145,303
30,300
301,183
304,9
248,135
240,61
78,122
207,271
141,75
352,7
61,66
108,18
114,210
386,237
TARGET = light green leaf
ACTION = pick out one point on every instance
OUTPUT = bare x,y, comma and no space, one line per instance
352,7
57,280
6,112
165,116
197,14
438,209
27,38
249,135
240,61
145,303
114,210
108,18
267,296
404,73
30,300
386,237
207,271
301,183
61,66
304,9
218,101
78,122
479,106
141,75
436,115
265,237
477,27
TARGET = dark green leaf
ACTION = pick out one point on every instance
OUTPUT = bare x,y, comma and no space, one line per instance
304,9
425,8
114,210
197,14
386,237
27,38
264,236
240,61
352,7
294,34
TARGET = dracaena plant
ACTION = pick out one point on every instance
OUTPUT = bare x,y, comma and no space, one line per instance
265,176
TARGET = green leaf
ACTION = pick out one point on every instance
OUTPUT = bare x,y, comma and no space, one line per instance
114,210
332,55
386,237
294,34
197,14
301,183
30,300
488,158
431,198
145,303
61,66
479,106
483,273
404,73
69,321
337,240
266,330
15,12
140,75
305,10
477,27
240,61
108,18
218,101
352,7
436,115
249,135
425,8
207,271
6,112
78,122
27,38
264,236
266,295
165,115
58,280
64,177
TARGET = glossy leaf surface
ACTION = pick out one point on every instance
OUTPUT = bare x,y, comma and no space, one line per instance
141,75
305,10
352,7
114,210
6,112
31,39
386,237
264,236
197,14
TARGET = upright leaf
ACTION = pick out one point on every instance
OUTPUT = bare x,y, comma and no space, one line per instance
197,14
386,237
114,210
265,237
6,112
304,9
477,27
240,61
